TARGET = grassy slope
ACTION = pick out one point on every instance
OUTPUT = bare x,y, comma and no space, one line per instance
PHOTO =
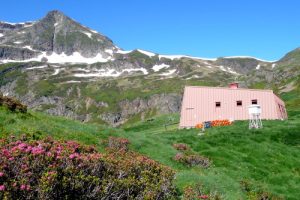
268,158
42,125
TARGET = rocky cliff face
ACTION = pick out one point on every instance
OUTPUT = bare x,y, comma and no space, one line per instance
158,103
58,66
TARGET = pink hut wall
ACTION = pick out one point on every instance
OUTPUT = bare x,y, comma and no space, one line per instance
199,104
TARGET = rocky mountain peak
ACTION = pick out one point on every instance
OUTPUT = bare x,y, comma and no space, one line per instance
55,14
55,34
56,17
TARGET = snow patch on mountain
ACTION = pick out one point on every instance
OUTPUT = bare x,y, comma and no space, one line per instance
273,65
229,57
72,81
109,51
123,52
29,47
94,31
28,25
1,35
157,68
88,34
37,67
257,67
150,54
172,57
11,23
170,72
18,42
222,68
82,69
76,57
109,72
145,72
231,71
56,71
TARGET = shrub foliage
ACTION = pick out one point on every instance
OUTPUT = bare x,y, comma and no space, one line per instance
49,169
12,104
188,157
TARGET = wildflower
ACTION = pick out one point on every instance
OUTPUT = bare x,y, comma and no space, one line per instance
203,197
37,150
2,187
28,149
23,187
74,155
49,154
1,174
27,187
22,146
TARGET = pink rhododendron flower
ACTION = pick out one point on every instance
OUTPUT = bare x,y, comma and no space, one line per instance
22,146
2,187
29,148
74,155
1,174
203,197
23,187
37,150
27,187
49,154
5,152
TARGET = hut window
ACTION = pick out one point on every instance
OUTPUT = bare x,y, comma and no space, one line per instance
254,101
190,108
218,104
239,103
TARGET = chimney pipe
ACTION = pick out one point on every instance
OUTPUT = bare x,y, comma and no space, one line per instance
234,85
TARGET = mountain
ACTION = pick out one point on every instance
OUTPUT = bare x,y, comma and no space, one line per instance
52,35
58,66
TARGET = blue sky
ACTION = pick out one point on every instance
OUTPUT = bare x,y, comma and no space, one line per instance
266,29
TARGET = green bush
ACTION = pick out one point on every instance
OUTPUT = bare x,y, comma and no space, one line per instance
49,169
12,104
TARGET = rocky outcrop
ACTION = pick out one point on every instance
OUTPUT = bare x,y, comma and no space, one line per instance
240,65
15,53
162,103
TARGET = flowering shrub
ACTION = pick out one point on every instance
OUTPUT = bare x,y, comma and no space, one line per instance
12,104
49,169
196,192
117,143
254,192
188,157
181,146
192,160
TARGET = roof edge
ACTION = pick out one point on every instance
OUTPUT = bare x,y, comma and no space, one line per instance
261,90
